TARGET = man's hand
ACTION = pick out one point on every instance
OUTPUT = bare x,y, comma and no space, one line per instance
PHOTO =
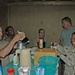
55,43
57,53
19,36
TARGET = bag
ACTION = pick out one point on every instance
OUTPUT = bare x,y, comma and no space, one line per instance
49,63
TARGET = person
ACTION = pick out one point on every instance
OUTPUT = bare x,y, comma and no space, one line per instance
67,54
5,50
41,33
8,36
65,37
9,33
67,31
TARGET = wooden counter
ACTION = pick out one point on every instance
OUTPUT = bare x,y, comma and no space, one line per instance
43,52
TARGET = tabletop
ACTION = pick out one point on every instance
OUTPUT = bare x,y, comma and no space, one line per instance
32,72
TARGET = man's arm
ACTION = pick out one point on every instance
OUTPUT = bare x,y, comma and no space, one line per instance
8,48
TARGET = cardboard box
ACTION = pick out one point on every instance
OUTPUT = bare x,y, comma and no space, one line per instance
5,61
43,52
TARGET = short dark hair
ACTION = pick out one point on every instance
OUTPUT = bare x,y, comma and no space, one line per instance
40,30
67,19
6,30
73,33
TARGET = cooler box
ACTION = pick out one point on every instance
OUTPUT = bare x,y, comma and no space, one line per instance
43,52
5,61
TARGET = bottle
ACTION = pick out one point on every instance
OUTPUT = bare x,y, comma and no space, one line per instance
51,45
15,59
44,44
10,71
20,44
1,71
40,70
40,43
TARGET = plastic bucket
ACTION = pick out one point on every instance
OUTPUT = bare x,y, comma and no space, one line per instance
49,63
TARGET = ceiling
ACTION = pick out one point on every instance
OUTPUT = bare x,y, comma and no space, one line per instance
9,1
39,2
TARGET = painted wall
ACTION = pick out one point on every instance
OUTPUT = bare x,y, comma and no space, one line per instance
30,18
3,15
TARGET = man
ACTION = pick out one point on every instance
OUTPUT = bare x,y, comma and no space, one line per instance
65,36
41,33
4,51
10,33
67,54
67,31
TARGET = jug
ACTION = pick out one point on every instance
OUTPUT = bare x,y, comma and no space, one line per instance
25,58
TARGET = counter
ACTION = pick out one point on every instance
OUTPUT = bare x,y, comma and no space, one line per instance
32,72
43,52
33,67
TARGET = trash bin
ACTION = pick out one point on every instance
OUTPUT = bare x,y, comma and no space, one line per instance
49,63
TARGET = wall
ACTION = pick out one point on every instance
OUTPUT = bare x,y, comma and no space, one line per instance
30,18
3,15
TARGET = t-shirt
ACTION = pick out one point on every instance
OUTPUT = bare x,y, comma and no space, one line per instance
6,38
66,36
5,60
3,44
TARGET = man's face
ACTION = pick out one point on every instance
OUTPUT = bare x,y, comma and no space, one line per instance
66,24
10,32
73,39
1,33
42,34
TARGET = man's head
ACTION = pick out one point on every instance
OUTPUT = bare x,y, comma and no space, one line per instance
41,33
66,23
9,31
1,33
73,39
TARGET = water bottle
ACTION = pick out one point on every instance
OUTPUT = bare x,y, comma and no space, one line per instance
20,44
15,59
1,71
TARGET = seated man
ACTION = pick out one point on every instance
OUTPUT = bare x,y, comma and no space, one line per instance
41,33
9,33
